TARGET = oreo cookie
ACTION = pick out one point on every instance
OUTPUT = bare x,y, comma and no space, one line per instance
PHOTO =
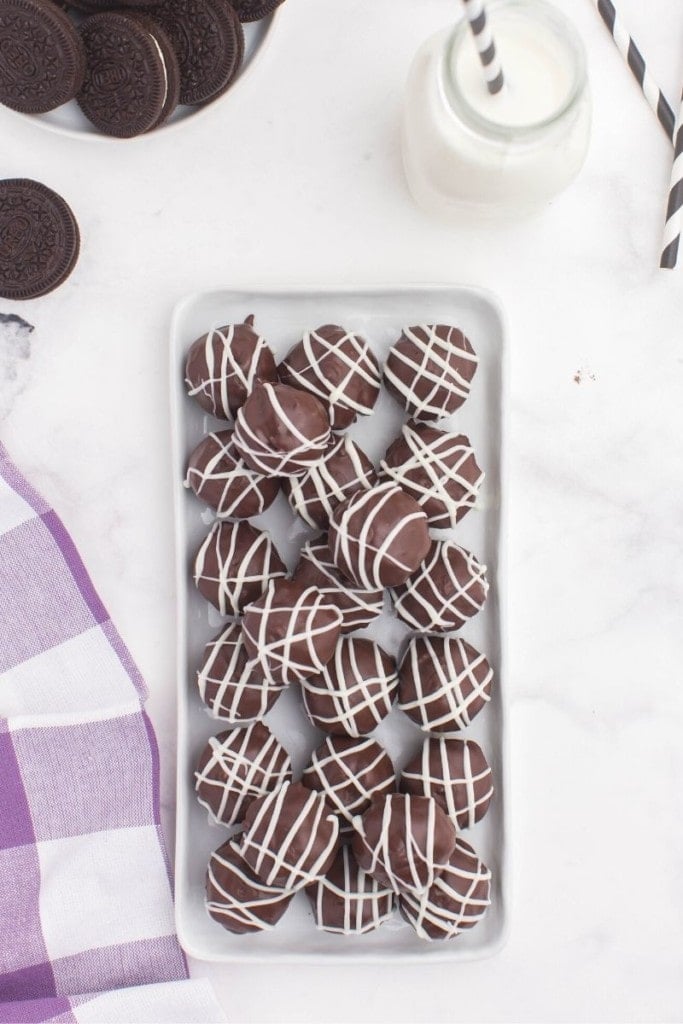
254,10
42,59
131,79
39,239
209,42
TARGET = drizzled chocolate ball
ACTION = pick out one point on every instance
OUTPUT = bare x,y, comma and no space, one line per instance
234,565
354,691
438,469
429,370
444,683
291,632
339,368
456,773
378,537
457,899
238,766
228,684
343,470
350,774
358,607
290,837
223,366
448,588
404,841
236,898
219,476
281,431
347,900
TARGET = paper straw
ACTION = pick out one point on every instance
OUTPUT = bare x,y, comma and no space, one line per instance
674,212
634,58
476,14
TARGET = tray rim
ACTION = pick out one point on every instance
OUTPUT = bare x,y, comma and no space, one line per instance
445,953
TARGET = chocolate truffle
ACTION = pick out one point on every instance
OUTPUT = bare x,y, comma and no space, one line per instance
378,537
350,773
236,898
291,632
355,690
343,470
347,900
236,768
443,683
404,841
457,900
456,773
438,469
224,365
281,431
316,569
444,592
290,836
234,565
218,475
429,370
339,368
227,683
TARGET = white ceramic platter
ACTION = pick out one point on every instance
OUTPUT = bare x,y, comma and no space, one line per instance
379,314
69,120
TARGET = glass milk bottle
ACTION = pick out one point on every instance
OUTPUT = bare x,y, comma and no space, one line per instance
507,153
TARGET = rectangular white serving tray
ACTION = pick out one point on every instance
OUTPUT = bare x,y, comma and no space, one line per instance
379,314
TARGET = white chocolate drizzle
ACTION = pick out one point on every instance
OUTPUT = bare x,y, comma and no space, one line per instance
445,693
445,769
240,487
350,774
355,691
364,903
234,556
439,469
438,370
448,588
268,456
222,369
353,353
290,853
359,607
228,881
458,898
227,681
315,494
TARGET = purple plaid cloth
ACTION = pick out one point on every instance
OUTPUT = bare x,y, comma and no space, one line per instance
86,899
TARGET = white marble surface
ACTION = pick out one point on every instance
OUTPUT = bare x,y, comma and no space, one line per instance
297,178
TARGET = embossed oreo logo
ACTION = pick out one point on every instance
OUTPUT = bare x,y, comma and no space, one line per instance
16,63
15,235
108,76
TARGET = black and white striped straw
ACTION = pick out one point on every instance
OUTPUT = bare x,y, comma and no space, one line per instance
674,212
634,58
476,14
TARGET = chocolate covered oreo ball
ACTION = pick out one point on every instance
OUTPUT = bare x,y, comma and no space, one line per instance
429,370
343,470
236,898
234,565
290,837
281,431
347,900
339,368
358,607
350,774
378,537
404,841
219,476
438,469
444,683
354,691
448,588
457,900
228,684
223,367
236,768
291,632
456,773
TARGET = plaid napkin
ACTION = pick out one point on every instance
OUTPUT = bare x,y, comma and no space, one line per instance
85,894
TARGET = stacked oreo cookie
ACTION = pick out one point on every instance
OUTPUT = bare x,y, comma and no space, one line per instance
128,65
358,839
